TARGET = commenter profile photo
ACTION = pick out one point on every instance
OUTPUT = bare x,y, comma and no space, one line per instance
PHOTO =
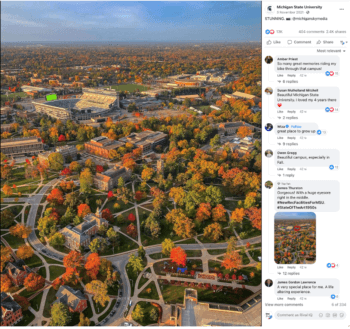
268,59
268,91
268,153
268,127
268,283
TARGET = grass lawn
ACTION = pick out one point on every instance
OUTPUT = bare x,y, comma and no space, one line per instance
17,178
14,241
63,249
28,317
99,308
49,300
51,261
216,251
175,294
125,245
245,259
42,272
4,232
12,95
26,214
130,87
153,294
147,308
142,282
34,261
157,255
38,215
255,254
93,199
246,230
133,276
36,301
26,293
126,222
122,205
103,316
194,253
229,204
56,271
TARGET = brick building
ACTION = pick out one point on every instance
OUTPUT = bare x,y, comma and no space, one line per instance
108,179
101,146
11,312
187,83
17,271
74,299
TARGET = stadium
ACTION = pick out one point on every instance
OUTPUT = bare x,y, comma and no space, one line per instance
93,103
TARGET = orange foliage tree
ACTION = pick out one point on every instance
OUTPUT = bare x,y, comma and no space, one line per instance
55,197
203,212
219,213
34,282
244,131
6,283
178,256
92,265
74,260
83,210
24,252
20,230
254,215
232,260
237,215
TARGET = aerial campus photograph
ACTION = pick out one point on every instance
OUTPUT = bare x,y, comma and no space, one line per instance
295,238
131,165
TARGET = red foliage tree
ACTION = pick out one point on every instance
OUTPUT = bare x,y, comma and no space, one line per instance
240,278
131,217
66,172
192,273
55,197
74,260
62,138
34,282
234,277
110,194
254,215
57,283
107,215
131,230
83,210
71,276
92,265
99,168
178,256
139,195
22,301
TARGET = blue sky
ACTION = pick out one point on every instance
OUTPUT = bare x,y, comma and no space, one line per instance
130,21
295,215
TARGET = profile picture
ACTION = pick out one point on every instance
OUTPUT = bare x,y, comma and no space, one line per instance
268,283
268,184
268,59
268,126
268,91
268,153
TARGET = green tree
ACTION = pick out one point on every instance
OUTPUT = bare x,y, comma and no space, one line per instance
167,246
57,239
135,263
141,252
215,142
60,315
138,313
7,218
121,182
86,180
56,161
153,315
112,235
214,195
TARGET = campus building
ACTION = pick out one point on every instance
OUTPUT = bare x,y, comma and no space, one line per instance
240,95
107,180
187,83
17,272
147,140
11,312
230,128
92,104
73,299
22,146
101,146
69,153
80,235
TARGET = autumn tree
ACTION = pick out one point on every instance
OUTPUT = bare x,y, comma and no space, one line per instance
74,260
56,161
24,252
219,213
7,190
147,174
57,239
213,232
167,247
83,210
22,301
131,230
75,166
60,315
71,276
237,215
6,283
92,265
5,256
7,218
100,291
107,214
20,230
34,282
178,256
84,321
254,215
55,197
135,263
244,131
232,260
138,313
203,212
